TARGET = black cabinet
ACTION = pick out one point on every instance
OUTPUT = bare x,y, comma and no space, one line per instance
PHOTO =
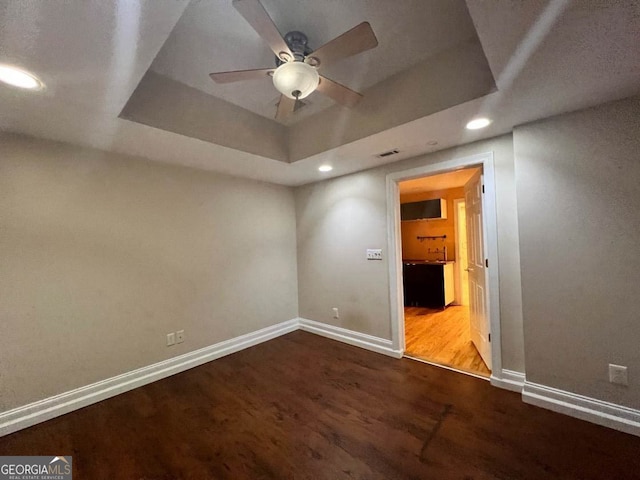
427,284
435,209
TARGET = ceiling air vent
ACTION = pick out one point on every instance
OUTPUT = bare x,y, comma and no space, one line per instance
388,154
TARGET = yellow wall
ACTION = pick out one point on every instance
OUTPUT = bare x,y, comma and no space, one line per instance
414,249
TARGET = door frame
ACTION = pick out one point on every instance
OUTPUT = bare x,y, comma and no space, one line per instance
490,229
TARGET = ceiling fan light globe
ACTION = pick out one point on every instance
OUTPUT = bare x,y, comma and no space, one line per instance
296,77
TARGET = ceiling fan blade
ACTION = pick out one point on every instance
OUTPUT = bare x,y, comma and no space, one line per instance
254,13
341,94
240,75
359,39
286,106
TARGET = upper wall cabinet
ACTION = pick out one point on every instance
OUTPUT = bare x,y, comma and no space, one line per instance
435,209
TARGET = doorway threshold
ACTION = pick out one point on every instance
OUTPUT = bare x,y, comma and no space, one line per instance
447,367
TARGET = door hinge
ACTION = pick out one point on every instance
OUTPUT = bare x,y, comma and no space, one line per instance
482,188
489,337
486,262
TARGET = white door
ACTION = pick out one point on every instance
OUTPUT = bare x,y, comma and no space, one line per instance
479,318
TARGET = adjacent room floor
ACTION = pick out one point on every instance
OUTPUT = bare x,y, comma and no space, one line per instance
442,336
305,407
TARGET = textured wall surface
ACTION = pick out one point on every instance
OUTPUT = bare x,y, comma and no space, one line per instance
338,219
579,215
102,255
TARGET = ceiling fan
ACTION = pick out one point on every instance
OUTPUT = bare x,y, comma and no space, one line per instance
295,75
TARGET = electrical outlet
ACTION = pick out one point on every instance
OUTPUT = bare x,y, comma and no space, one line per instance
374,254
335,312
180,336
171,339
618,374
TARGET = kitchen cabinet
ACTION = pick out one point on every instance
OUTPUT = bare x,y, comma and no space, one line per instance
435,209
428,284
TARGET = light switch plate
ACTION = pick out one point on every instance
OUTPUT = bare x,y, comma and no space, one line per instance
374,254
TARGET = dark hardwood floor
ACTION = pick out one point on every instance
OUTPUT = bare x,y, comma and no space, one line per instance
305,407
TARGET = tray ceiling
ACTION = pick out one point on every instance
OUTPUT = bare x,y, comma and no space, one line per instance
212,36
428,59
547,57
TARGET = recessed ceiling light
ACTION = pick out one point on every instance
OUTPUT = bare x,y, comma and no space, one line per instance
477,123
325,168
19,78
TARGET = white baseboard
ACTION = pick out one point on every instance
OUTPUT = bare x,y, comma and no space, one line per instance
596,411
28,415
362,340
509,380
590,409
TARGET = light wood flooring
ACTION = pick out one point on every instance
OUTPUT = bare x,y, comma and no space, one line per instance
442,336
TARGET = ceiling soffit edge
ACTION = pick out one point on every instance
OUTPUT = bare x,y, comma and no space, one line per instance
450,78
163,103
453,77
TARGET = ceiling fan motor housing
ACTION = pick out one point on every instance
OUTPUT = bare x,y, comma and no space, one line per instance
298,44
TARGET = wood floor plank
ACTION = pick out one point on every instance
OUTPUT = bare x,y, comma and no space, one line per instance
305,407
442,336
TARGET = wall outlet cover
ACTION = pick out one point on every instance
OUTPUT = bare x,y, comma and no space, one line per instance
180,336
171,339
618,374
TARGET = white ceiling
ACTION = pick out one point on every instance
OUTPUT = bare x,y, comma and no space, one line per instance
548,57
441,181
211,36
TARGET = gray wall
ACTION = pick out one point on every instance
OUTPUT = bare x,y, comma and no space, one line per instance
101,255
578,189
338,219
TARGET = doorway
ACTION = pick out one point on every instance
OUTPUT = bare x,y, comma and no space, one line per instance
453,321
442,322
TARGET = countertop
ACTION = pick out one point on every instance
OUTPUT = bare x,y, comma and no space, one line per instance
426,262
